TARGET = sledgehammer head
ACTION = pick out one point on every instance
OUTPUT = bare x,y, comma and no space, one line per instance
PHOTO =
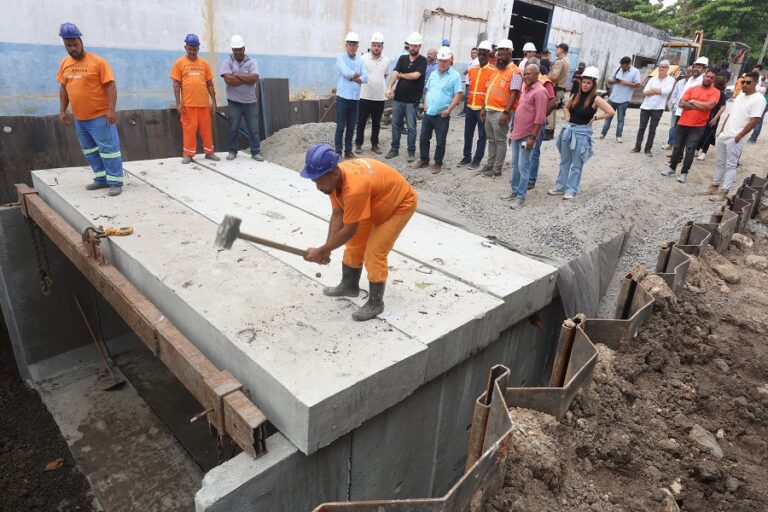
227,232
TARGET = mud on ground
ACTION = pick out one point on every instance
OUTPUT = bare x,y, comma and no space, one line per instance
676,419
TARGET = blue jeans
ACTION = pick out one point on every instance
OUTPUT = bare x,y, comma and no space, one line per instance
249,112
400,109
101,147
535,156
758,127
571,166
672,126
439,125
346,116
471,120
521,167
621,111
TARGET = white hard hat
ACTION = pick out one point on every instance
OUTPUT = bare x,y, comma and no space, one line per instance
591,72
444,53
529,47
237,42
377,37
415,38
485,45
505,43
703,61
352,37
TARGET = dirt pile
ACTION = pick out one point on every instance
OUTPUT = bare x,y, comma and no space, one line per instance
676,419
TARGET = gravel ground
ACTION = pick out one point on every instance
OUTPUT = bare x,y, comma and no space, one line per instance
619,191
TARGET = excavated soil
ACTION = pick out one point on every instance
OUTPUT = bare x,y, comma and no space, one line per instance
675,419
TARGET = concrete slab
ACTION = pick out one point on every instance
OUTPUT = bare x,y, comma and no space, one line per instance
315,373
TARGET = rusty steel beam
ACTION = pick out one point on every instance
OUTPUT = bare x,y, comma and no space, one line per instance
230,411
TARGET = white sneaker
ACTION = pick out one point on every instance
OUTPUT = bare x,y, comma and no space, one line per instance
702,156
567,196
696,153
509,196
618,139
601,136
682,178
666,147
668,172
555,192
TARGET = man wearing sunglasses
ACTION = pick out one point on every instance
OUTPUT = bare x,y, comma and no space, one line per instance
745,112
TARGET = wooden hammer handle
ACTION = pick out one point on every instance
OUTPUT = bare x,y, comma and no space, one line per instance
274,245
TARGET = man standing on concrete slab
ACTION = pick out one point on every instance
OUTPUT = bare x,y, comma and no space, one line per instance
559,75
656,91
371,204
350,75
192,84
624,80
696,104
443,94
529,120
88,85
745,113
479,77
241,74
406,88
372,94
499,108
697,74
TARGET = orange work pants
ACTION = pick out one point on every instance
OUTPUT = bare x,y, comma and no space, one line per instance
371,244
192,120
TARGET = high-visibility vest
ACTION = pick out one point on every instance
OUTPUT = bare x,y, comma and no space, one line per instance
479,78
498,90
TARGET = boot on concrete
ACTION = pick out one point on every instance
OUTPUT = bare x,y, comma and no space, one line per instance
349,285
375,304
96,185
115,191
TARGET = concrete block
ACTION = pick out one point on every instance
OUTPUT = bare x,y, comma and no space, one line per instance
314,373
284,479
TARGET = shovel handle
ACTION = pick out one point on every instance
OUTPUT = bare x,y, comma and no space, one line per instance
274,245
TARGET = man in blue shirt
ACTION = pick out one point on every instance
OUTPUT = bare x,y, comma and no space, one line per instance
350,74
624,80
444,92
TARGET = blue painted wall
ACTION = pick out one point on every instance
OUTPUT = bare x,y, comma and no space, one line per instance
28,78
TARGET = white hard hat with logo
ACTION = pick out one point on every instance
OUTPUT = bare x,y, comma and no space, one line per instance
352,37
505,43
444,53
591,72
703,61
415,38
377,37
485,45
237,41
529,47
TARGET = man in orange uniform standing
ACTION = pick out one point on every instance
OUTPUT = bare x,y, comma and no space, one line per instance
500,105
372,203
87,83
192,84
479,78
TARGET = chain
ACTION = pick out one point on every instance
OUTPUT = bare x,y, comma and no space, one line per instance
41,256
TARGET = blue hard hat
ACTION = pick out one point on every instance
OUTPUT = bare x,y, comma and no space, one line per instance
69,30
320,159
446,42
192,40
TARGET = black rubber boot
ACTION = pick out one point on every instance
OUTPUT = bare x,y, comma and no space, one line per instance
349,285
375,304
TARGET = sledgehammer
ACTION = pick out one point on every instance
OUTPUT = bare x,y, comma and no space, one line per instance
229,231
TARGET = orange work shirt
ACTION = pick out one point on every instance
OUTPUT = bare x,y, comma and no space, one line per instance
194,76
479,78
691,117
371,191
498,92
85,81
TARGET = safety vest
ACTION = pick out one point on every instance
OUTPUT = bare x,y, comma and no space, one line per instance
498,90
479,77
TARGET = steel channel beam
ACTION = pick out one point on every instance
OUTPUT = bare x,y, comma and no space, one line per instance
231,412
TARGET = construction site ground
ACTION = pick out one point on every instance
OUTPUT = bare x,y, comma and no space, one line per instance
638,439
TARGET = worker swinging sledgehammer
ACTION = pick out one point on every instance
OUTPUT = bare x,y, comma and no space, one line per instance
371,204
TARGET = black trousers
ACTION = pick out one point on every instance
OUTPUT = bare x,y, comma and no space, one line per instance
686,138
648,115
374,109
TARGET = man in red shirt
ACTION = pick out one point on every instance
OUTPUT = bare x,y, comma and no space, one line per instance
696,103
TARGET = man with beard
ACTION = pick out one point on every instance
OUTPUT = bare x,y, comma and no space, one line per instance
372,94
88,85
372,202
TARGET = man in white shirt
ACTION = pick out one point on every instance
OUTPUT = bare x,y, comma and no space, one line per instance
745,112
656,92
372,96
624,80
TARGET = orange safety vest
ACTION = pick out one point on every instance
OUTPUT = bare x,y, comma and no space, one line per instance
479,77
498,90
